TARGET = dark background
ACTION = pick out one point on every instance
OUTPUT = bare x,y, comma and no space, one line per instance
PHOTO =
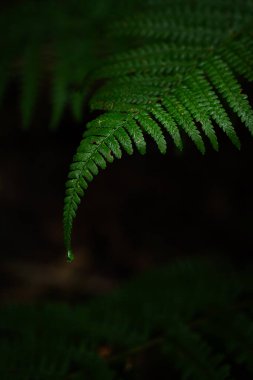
139,213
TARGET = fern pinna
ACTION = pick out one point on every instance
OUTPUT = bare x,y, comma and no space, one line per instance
192,319
178,73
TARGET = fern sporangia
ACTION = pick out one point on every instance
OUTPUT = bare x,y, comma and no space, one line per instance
178,73
196,315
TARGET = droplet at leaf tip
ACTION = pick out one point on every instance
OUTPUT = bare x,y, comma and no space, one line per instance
70,256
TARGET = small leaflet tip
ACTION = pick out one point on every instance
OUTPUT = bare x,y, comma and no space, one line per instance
70,256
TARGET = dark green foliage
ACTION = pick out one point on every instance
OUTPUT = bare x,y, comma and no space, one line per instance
195,314
170,69
59,42
177,75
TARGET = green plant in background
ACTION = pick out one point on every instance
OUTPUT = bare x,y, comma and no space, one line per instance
161,68
55,40
192,315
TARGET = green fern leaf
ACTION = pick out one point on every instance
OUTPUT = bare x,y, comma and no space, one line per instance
183,119
169,124
239,56
124,140
136,134
189,315
193,101
193,356
176,80
101,143
233,333
151,127
214,108
168,68
230,89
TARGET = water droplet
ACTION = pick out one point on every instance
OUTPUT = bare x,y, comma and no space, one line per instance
70,256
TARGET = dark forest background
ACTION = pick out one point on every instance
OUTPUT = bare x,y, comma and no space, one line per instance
139,213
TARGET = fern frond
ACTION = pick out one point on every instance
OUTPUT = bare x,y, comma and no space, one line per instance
190,314
124,94
103,141
241,333
151,127
203,24
178,77
169,124
193,102
136,134
193,356
239,56
184,120
230,89
160,67
213,105
154,59
232,333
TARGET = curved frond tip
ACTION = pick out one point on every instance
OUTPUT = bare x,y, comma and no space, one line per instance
182,79
70,256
